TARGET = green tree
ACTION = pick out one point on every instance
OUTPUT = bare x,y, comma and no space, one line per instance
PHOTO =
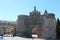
58,29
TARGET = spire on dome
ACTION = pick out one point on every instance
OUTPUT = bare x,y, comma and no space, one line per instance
34,8
45,11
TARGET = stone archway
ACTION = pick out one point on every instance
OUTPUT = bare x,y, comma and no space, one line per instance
34,31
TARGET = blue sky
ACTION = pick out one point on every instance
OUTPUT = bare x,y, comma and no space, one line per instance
10,9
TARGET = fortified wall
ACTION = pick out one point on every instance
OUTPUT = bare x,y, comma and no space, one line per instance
45,24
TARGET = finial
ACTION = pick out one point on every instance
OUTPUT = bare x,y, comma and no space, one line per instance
35,8
45,11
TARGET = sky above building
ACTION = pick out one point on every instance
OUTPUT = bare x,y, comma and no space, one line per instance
10,9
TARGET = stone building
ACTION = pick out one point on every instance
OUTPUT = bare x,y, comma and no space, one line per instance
7,27
45,24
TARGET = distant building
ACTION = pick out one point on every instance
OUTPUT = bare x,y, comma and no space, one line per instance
45,24
7,27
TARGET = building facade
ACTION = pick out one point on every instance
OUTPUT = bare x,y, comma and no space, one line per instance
7,27
45,24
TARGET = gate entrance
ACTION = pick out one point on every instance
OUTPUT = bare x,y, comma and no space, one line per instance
34,31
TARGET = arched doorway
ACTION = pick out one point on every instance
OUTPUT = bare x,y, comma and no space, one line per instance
34,31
